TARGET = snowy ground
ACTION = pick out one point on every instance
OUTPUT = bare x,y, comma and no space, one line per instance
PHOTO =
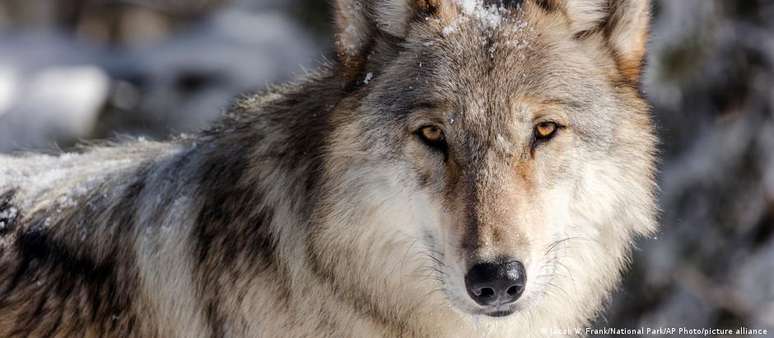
56,88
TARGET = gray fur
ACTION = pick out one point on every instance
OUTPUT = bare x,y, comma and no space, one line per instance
315,210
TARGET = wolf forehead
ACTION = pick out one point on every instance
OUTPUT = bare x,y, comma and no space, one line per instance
532,60
476,79
606,39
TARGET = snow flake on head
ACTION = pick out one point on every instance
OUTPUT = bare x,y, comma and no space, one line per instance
489,14
348,39
469,6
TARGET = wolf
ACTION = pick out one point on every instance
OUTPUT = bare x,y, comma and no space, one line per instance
461,168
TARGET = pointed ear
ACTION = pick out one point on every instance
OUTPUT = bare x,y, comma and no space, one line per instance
624,24
360,22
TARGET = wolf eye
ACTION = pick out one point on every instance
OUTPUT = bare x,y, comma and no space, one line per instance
545,131
433,137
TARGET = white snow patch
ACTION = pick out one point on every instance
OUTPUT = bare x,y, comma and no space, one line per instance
368,78
7,216
348,39
451,28
488,16
468,6
60,182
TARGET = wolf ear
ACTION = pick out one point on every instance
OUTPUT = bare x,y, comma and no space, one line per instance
624,24
359,22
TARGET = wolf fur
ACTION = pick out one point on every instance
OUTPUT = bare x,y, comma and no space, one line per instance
315,210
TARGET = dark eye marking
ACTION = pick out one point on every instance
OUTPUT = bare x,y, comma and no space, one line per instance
433,137
544,132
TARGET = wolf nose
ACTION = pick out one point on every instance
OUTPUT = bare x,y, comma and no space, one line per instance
494,284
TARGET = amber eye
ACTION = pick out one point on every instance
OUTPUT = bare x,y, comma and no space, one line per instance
432,136
546,130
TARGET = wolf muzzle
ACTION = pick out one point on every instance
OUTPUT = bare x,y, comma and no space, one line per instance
496,284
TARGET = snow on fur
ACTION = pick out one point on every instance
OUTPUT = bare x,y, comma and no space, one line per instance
489,17
59,180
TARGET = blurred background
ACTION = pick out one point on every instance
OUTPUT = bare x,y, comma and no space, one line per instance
75,70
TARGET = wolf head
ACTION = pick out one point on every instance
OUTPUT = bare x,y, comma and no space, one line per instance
494,158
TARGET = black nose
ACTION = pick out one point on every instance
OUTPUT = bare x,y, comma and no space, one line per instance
493,284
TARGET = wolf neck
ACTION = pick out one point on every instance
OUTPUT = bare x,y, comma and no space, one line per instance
267,153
